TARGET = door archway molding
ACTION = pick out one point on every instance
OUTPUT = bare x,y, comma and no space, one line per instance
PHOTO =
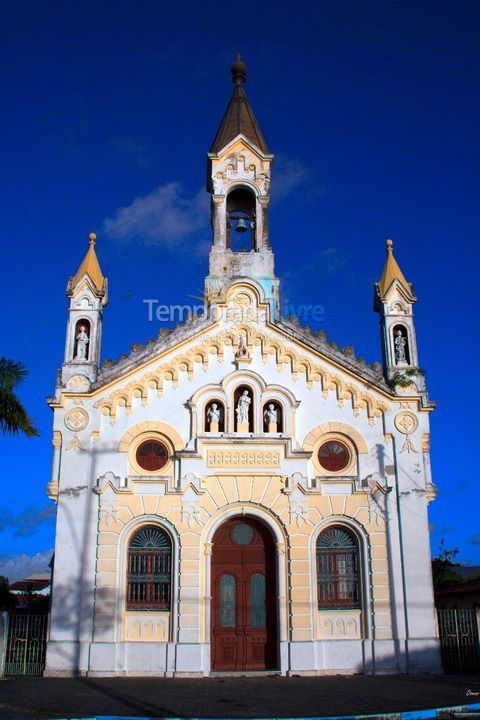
275,525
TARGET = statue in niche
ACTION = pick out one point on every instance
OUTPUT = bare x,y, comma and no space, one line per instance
82,344
400,344
213,414
271,414
243,408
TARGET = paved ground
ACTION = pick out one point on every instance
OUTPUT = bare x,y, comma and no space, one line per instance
237,697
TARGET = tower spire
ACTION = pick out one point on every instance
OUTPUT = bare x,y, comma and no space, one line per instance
90,266
392,272
239,181
239,118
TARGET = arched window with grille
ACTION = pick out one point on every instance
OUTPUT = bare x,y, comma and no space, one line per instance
149,570
338,569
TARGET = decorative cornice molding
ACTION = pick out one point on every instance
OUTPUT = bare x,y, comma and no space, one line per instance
270,348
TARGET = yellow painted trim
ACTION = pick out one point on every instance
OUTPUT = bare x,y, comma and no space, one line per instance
283,355
151,426
57,439
318,433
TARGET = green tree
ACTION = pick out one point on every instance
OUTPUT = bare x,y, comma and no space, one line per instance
7,599
443,566
13,416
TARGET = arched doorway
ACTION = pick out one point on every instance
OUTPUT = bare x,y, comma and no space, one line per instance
244,612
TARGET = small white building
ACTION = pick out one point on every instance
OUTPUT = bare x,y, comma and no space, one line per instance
240,494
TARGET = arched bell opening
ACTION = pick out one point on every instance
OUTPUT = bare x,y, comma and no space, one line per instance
81,345
241,220
214,419
401,349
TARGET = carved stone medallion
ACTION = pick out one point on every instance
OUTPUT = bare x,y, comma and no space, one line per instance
77,419
406,422
242,300
78,383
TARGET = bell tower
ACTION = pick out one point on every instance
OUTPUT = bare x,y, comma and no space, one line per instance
87,291
238,179
394,299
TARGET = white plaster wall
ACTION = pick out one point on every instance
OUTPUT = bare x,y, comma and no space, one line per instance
74,575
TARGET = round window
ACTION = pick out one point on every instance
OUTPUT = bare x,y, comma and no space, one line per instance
333,456
242,534
152,455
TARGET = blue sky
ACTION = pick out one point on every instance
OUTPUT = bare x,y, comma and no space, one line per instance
372,111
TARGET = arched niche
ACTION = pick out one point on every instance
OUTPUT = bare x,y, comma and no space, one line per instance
273,414
81,337
214,408
246,391
241,218
401,345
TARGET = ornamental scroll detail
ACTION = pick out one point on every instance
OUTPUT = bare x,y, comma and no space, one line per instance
244,458
340,625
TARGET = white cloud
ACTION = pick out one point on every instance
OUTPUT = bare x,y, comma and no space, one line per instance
19,566
163,217
168,217
288,174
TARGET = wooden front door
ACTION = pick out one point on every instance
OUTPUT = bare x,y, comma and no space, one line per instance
244,620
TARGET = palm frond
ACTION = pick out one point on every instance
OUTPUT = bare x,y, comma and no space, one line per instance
13,416
11,373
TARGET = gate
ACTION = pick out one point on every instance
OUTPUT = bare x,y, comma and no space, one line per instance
26,644
459,641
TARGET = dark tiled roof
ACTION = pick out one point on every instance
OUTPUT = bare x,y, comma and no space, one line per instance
27,585
239,118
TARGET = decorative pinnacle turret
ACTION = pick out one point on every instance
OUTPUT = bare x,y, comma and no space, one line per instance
90,266
391,272
239,70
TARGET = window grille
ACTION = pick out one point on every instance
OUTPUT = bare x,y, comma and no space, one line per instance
337,570
149,570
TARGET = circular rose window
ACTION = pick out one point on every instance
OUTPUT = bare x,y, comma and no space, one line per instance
152,455
333,456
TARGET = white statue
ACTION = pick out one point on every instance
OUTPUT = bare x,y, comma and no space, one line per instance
271,414
264,183
400,344
242,351
213,414
243,407
218,184
82,343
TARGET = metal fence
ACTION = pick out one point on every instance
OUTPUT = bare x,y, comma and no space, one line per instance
26,642
459,640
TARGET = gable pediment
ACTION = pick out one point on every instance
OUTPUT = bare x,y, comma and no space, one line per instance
274,346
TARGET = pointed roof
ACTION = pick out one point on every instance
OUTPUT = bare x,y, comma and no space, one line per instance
239,118
391,272
90,265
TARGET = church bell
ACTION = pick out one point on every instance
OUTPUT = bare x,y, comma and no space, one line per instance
241,226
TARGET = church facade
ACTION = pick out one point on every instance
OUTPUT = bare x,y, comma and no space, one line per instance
240,494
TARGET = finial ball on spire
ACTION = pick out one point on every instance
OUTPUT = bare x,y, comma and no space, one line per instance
239,70
389,244
92,237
